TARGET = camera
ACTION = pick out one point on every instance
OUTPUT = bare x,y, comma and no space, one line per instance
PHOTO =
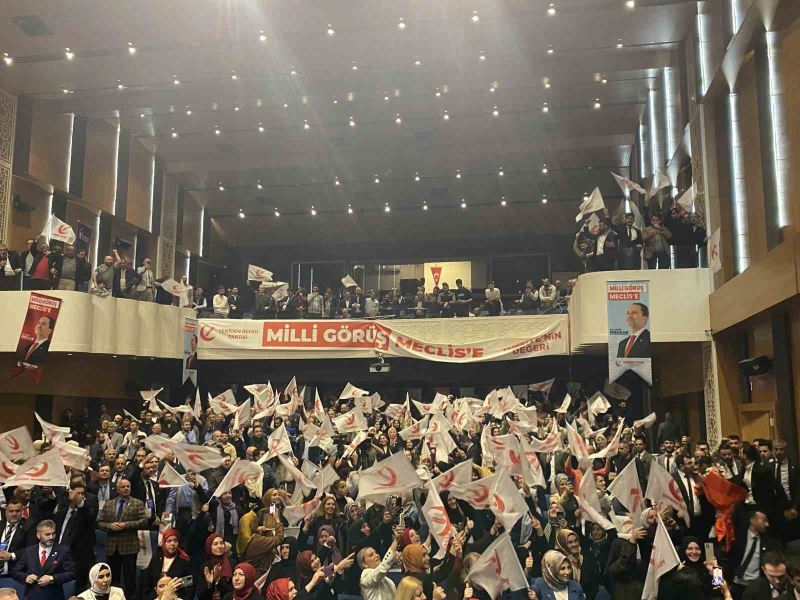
380,367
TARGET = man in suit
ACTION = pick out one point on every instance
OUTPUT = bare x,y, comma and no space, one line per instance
785,477
630,243
667,458
605,251
121,519
75,520
750,546
643,459
235,301
16,534
701,511
35,352
144,486
10,269
102,488
773,582
637,344
46,566
728,465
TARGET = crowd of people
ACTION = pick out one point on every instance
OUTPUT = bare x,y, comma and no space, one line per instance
288,503
351,302
620,243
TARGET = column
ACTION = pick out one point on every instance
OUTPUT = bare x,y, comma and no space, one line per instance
741,229
8,119
165,254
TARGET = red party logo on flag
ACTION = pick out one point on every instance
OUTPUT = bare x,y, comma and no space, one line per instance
62,229
480,494
37,470
389,477
6,468
13,443
441,519
207,333
447,480
437,274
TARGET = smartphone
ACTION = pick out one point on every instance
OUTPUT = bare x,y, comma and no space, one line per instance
716,577
328,570
187,581
709,552
401,520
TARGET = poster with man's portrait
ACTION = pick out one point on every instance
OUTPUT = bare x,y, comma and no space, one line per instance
37,332
629,347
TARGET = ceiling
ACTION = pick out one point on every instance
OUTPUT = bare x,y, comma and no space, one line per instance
242,65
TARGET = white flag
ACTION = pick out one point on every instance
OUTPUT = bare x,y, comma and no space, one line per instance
255,273
686,200
240,472
56,229
7,467
627,489
498,568
598,404
593,202
197,409
295,514
170,478
626,185
281,291
714,252
348,281
663,559
660,181
278,442
197,458
224,403
73,456
391,476
661,487
460,474
565,404
439,524
241,417
298,476
159,444
531,467
415,431
590,501
149,397
46,470
395,411
17,443
351,391
53,432
352,420
542,386
357,441
645,423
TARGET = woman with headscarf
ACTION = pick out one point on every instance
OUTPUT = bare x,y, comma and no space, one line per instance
569,544
100,587
360,535
217,572
170,561
595,550
285,567
316,582
224,515
417,563
268,534
243,581
693,580
327,513
327,546
281,589
557,581
454,510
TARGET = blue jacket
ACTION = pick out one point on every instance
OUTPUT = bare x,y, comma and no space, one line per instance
59,565
545,592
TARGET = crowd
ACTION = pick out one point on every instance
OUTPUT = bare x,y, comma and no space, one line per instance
608,244
284,495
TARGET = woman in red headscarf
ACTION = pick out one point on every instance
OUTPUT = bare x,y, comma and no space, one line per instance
244,583
215,583
281,589
169,561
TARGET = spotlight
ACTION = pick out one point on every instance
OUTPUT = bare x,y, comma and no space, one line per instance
416,176
174,133
260,128
277,214
475,17
418,63
262,36
482,56
551,10
221,187
425,205
387,208
544,200
234,76
349,210
69,54
503,201
463,203
188,111
545,108
495,112
500,173
550,50
241,214
120,85
402,24
619,43
446,116
386,98
259,186
313,212
596,104
217,131
352,122
306,126
377,179
175,80
458,174
8,59
331,31
336,181
235,108
397,119
354,68
492,89
630,4
131,49
544,169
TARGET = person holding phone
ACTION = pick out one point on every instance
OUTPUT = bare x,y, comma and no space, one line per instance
170,561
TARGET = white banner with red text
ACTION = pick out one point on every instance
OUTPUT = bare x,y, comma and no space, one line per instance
443,340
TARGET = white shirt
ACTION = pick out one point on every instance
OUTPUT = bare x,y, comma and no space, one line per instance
374,583
492,295
633,235
752,572
221,304
601,243
748,481
688,483
783,468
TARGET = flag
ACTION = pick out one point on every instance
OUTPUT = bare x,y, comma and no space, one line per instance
626,185
660,181
281,291
549,444
616,390
197,458
663,559
242,416
577,445
255,273
460,474
497,493
461,415
297,475
351,447
321,436
53,432
531,467
627,489
352,420
351,391
181,408
296,513
197,409
439,525
224,403
278,443
170,478
542,386
176,289
594,202
498,568
56,229
686,200
725,496
661,487
565,404
46,470
17,443
598,404
149,397
348,281
395,411
590,502
72,455
240,472
391,476
7,467
160,445
647,422
504,451
415,431
714,252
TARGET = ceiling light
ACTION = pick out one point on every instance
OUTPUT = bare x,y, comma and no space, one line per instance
596,104
174,133
446,116
482,56
349,210
386,98
544,200
69,54
352,122
285,105
241,214
277,214
234,76
418,63
425,205
463,203
458,174
546,82
66,91
402,24
619,43
377,179
397,119
604,80
217,130
416,176
7,59
141,115
120,85
292,72
336,181
544,169
495,112
175,80
387,208
551,10
438,93
492,89
503,201
221,187
354,67
313,212
306,126
500,172
475,17
259,186
131,49
235,108
260,127
331,31
630,3
545,108
550,50
188,111
262,36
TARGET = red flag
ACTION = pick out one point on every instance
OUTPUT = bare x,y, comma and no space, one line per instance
725,496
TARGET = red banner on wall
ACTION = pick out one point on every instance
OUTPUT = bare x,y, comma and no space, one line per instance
226,339
34,339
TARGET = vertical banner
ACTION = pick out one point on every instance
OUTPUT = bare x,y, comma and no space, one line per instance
628,329
37,331
189,350
83,238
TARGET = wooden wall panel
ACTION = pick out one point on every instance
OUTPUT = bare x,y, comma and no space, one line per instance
790,74
23,224
51,142
751,145
140,186
191,223
17,411
100,166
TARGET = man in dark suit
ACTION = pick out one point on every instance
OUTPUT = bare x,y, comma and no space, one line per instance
35,352
701,511
16,534
606,247
121,519
773,582
630,243
146,489
75,529
643,459
46,566
637,344
125,279
750,546
785,481
10,269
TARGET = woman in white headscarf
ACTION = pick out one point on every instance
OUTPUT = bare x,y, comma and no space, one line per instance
100,587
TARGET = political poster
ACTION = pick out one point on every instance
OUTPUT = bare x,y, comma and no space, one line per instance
83,238
629,347
36,334
189,350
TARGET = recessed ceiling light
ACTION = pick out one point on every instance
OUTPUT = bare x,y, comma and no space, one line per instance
69,54
630,3
402,24
418,63
546,83
551,10
313,212
235,108
336,181
217,131
221,187
331,30
306,126
285,105
545,108
277,214
463,203
397,119
188,111
475,17
377,179
425,205
292,72
492,89
234,76
262,36
174,133
544,200
495,112
482,56
604,80
8,59
619,43
387,208
438,93
66,91
141,115
354,67
260,128
416,176
550,50
259,186
458,174
120,85
131,49
175,81
544,169
503,201
352,122
501,172
446,116
241,214
349,210
596,104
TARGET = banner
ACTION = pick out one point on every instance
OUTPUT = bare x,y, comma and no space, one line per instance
189,350
83,238
628,329
37,331
56,229
714,256
438,273
231,340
